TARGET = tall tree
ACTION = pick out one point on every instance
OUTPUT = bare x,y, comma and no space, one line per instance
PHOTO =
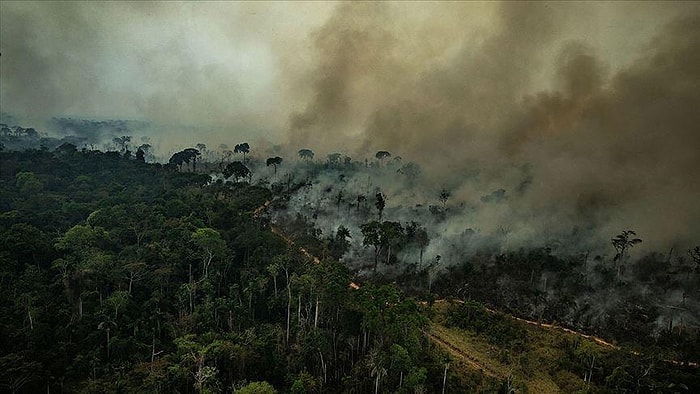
334,158
381,155
208,245
306,154
122,142
695,255
274,161
393,237
372,236
237,170
444,196
380,203
622,243
417,235
243,148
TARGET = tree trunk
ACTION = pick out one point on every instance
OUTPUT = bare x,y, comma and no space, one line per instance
444,378
316,314
590,371
376,257
289,307
191,289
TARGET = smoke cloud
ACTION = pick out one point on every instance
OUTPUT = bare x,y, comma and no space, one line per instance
584,113
606,142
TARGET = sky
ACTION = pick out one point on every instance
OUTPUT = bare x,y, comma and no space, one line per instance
596,103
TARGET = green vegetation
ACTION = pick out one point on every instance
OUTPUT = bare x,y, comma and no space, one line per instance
122,276
117,275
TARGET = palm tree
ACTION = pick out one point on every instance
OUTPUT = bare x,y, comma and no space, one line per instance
376,369
622,243
306,154
274,161
381,155
106,325
242,148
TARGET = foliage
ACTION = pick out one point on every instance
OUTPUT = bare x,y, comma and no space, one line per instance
498,329
120,275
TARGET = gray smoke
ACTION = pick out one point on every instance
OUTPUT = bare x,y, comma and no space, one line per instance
608,148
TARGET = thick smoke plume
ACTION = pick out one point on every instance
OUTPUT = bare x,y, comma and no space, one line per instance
583,145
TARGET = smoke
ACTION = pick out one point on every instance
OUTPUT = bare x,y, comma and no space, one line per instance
584,113
197,72
610,143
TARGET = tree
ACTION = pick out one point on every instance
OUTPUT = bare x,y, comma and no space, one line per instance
432,270
118,300
106,325
28,182
588,353
185,157
194,354
361,200
237,170
393,236
411,171
193,154
377,370
306,154
145,152
136,271
122,142
225,152
140,155
339,243
416,234
84,258
339,199
695,255
444,196
334,158
380,204
383,236
202,148
372,236
382,154
257,388
16,371
622,243
243,148
209,244
274,161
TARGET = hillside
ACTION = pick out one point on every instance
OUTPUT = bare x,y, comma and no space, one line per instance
125,276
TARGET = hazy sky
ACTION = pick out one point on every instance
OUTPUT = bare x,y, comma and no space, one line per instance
597,102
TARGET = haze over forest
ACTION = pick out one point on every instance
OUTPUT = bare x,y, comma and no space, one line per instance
586,114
